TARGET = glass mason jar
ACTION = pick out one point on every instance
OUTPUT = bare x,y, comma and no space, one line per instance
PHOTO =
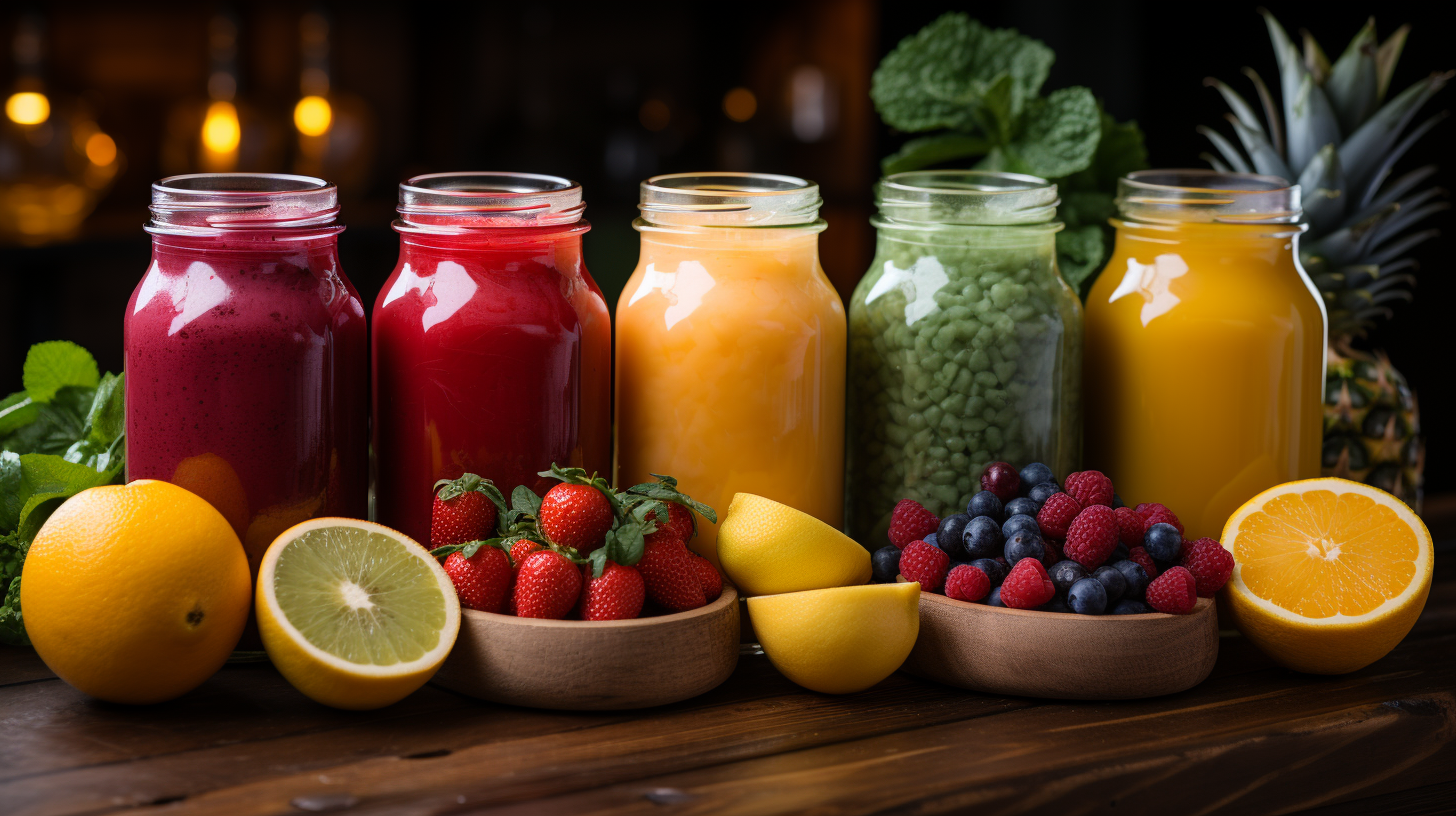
492,343
1205,345
965,344
730,347
247,364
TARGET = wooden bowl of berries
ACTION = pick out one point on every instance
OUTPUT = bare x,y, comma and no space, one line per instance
1043,591
587,598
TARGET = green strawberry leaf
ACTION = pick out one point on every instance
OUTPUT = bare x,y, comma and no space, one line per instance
625,544
523,500
53,365
666,492
598,561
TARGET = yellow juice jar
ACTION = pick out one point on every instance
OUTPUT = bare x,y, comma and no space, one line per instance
731,347
1205,346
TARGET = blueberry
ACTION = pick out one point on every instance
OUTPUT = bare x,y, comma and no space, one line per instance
1018,523
1033,475
995,570
994,599
949,532
982,538
1163,542
1119,553
1128,606
1024,544
886,561
1117,501
1112,581
1040,493
1136,577
932,539
1056,604
1066,573
984,503
1087,597
1022,507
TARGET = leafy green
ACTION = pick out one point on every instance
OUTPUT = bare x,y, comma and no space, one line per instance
979,90
65,433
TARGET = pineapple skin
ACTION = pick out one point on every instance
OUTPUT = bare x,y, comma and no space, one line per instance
1372,424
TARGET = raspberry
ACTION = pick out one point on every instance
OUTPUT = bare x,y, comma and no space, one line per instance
1089,487
1140,556
1174,592
1028,586
1053,554
967,583
1158,514
1210,564
925,563
1057,515
1130,526
909,521
1092,536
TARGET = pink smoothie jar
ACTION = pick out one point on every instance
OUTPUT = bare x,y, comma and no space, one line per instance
247,359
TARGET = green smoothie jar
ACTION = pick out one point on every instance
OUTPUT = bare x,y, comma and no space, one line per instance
965,344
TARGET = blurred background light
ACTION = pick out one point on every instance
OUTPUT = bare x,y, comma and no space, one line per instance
28,108
313,115
740,104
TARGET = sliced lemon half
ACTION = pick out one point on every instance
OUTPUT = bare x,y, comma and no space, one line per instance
1329,574
353,614
839,640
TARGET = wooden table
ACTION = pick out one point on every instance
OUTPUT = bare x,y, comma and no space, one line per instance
1253,738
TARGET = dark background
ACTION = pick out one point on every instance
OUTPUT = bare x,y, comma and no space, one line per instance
561,88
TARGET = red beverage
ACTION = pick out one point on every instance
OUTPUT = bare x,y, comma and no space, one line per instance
492,343
246,357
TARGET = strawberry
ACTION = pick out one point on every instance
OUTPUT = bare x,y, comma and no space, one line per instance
547,586
464,511
667,569
482,580
520,550
712,580
617,594
680,521
576,516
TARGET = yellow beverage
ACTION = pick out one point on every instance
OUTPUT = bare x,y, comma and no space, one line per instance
1205,346
731,347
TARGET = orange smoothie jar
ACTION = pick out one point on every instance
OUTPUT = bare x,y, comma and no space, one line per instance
1205,346
731,347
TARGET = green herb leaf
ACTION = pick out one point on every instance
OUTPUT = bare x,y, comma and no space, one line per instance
53,365
11,499
16,411
57,424
46,481
1058,135
102,441
1080,253
928,151
525,501
940,76
625,544
12,625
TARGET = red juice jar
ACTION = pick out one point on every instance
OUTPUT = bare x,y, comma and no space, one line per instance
246,354
492,343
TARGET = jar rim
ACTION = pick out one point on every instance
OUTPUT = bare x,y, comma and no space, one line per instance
217,203
461,201
946,198
1209,196
729,199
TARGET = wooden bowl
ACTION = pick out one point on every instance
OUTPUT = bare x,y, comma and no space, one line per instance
594,665
1060,655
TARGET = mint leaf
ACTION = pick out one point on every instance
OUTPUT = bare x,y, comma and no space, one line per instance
102,442
57,423
1088,207
46,481
1080,253
1058,135
11,499
16,411
53,365
1120,151
12,626
928,151
939,77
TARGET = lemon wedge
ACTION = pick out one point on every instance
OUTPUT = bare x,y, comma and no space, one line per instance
1329,575
767,548
355,615
840,640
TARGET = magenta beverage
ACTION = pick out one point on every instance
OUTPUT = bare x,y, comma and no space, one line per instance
246,354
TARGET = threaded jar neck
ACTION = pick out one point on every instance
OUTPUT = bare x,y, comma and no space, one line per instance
1207,196
687,202
937,199
487,202
218,204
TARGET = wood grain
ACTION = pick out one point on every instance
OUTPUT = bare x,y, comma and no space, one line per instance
1063,656
594,665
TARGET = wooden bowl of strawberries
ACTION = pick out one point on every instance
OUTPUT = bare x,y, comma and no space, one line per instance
585,599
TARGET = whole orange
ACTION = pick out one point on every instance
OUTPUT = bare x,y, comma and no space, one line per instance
135,593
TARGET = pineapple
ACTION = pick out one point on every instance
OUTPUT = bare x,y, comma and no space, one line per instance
1339,139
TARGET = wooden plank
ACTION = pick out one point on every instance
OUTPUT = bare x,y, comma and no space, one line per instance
1431,800
20,664
805,736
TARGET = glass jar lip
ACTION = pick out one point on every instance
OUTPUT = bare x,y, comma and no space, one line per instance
939,198
1207,196
728,199
461,201
206,204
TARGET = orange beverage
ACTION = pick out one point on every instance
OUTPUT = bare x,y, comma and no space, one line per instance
731,347
1205,346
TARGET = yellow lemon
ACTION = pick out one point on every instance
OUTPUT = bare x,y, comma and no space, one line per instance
767,548
839,640
354,614
1329,574
135,593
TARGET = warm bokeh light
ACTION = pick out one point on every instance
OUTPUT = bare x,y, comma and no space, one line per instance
654,114
100,149
740,104
313,116
28,108
220,130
